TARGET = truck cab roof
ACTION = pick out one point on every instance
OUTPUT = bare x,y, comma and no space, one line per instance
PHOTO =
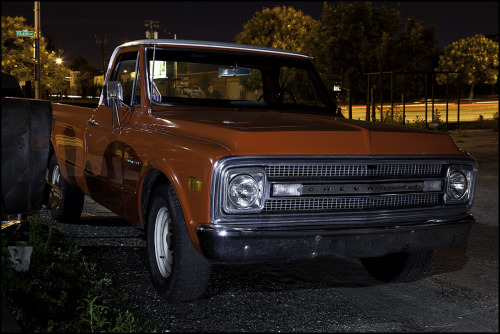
210,45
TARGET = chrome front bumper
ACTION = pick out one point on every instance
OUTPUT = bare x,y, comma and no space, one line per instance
221,244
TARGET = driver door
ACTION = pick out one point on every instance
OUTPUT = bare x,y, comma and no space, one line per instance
105,151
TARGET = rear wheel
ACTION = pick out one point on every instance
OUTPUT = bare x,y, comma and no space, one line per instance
398,267
64,200
178,271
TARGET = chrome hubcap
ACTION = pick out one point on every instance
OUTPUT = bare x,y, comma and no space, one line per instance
55,195
163,242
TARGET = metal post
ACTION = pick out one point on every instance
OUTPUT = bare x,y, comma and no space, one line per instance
381,82
37,50
392,97
368,99
350,102
458,103
374,118
447,83
151,25
432,97
101,38
426,92
404,101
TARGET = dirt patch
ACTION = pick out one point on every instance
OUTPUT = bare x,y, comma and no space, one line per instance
482,145
477,142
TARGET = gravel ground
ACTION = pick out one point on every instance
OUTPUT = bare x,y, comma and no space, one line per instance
457,293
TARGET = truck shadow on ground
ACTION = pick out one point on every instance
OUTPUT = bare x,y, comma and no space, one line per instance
254,277
119,255
317,273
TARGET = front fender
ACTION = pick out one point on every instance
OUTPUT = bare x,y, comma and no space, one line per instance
175,163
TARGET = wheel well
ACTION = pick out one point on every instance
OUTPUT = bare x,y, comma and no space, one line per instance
154,178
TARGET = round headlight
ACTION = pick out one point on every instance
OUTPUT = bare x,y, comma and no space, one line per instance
243,191
457,185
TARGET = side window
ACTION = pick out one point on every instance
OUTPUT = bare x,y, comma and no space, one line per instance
126,72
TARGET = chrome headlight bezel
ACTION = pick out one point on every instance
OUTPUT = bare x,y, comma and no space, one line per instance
235,183
459,184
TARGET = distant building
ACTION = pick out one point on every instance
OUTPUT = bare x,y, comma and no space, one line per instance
99,82
73,87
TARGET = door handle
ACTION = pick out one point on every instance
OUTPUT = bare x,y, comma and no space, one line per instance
92,122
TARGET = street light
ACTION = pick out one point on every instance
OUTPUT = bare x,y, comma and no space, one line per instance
59,62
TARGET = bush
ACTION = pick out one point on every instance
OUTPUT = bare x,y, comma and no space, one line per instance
61,290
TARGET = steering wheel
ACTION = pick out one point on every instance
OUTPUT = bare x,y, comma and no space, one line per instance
280,92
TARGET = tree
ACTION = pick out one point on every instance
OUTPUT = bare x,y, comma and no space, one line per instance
17,53
414,50
355,36
280,27
358,38
476,58
85,73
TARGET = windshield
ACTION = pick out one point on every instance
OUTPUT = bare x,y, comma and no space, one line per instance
235,79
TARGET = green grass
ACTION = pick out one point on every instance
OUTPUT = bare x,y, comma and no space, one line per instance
61,290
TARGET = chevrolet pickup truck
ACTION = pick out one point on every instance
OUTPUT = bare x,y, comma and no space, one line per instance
234,153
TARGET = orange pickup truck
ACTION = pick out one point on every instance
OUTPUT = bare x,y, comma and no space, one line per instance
235,153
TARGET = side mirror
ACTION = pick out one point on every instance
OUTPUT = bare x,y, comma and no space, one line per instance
112,91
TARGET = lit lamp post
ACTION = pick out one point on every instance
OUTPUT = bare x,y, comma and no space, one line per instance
59,62
37,50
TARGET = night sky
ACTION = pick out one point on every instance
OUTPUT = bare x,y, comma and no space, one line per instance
72,24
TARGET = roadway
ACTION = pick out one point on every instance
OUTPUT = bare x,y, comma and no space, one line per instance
469,112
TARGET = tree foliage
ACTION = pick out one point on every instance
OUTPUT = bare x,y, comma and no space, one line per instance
17,53
476,58
353,38
84,73
415,48
358,38
280,27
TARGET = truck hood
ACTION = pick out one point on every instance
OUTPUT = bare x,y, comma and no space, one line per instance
275,133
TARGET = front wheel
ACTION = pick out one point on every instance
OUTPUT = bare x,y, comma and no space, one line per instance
178,271
398,267
64,200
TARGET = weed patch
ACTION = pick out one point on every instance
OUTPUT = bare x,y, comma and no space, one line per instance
61,290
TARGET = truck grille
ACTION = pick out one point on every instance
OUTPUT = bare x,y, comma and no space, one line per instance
350,203
396,175
352,170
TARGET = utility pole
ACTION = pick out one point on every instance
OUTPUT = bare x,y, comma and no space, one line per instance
151,29
101,38
36,48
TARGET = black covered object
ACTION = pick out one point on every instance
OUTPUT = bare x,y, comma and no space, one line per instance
26,126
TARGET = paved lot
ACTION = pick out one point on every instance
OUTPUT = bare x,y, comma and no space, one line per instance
458,292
